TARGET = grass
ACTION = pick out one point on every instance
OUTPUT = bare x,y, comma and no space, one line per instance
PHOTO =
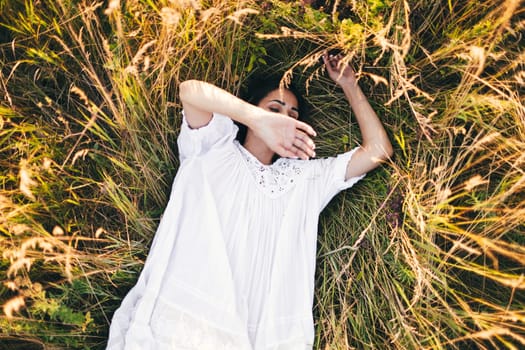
426,253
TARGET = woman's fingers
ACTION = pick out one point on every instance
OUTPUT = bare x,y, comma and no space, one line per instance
305,138
300,147
286,152
296,152
338,69
305,127
333,63
288,137
304,144
327,63
300,153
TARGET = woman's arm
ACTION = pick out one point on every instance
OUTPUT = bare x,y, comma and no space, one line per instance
284,135
376,146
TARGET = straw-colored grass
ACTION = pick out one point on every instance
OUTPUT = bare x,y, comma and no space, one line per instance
426,253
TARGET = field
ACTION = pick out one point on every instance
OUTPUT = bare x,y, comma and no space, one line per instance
428,252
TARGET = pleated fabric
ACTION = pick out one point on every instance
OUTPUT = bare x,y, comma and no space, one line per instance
232,262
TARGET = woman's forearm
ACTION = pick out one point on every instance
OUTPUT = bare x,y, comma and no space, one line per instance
285,136
374,137
207,98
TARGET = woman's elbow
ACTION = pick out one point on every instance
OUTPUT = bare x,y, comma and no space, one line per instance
383,152
187,88
388,150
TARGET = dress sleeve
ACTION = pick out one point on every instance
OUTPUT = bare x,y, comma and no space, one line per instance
219,132
329,175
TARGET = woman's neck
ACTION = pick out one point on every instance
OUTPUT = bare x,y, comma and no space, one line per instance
259,149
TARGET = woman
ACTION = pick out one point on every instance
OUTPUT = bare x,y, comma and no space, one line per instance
233,260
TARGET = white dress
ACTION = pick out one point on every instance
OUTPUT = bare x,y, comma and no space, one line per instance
232,263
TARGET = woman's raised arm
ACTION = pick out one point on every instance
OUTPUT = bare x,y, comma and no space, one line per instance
200,99
375,146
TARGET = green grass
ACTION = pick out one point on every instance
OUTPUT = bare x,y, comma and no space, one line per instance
425,253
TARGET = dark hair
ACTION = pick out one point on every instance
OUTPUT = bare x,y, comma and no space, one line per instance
258,88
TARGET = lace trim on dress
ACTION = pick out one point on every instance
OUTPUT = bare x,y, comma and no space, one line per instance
274,179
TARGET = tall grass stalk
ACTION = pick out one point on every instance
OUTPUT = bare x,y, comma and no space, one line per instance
426,253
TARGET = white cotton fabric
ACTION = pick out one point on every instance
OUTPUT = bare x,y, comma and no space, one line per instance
232,263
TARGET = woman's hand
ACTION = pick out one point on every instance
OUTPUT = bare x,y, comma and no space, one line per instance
284,135
340,72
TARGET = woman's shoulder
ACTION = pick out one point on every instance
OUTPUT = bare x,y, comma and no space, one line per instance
218,133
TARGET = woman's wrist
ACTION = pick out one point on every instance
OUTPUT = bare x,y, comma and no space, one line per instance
353,92
248,115
348,83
